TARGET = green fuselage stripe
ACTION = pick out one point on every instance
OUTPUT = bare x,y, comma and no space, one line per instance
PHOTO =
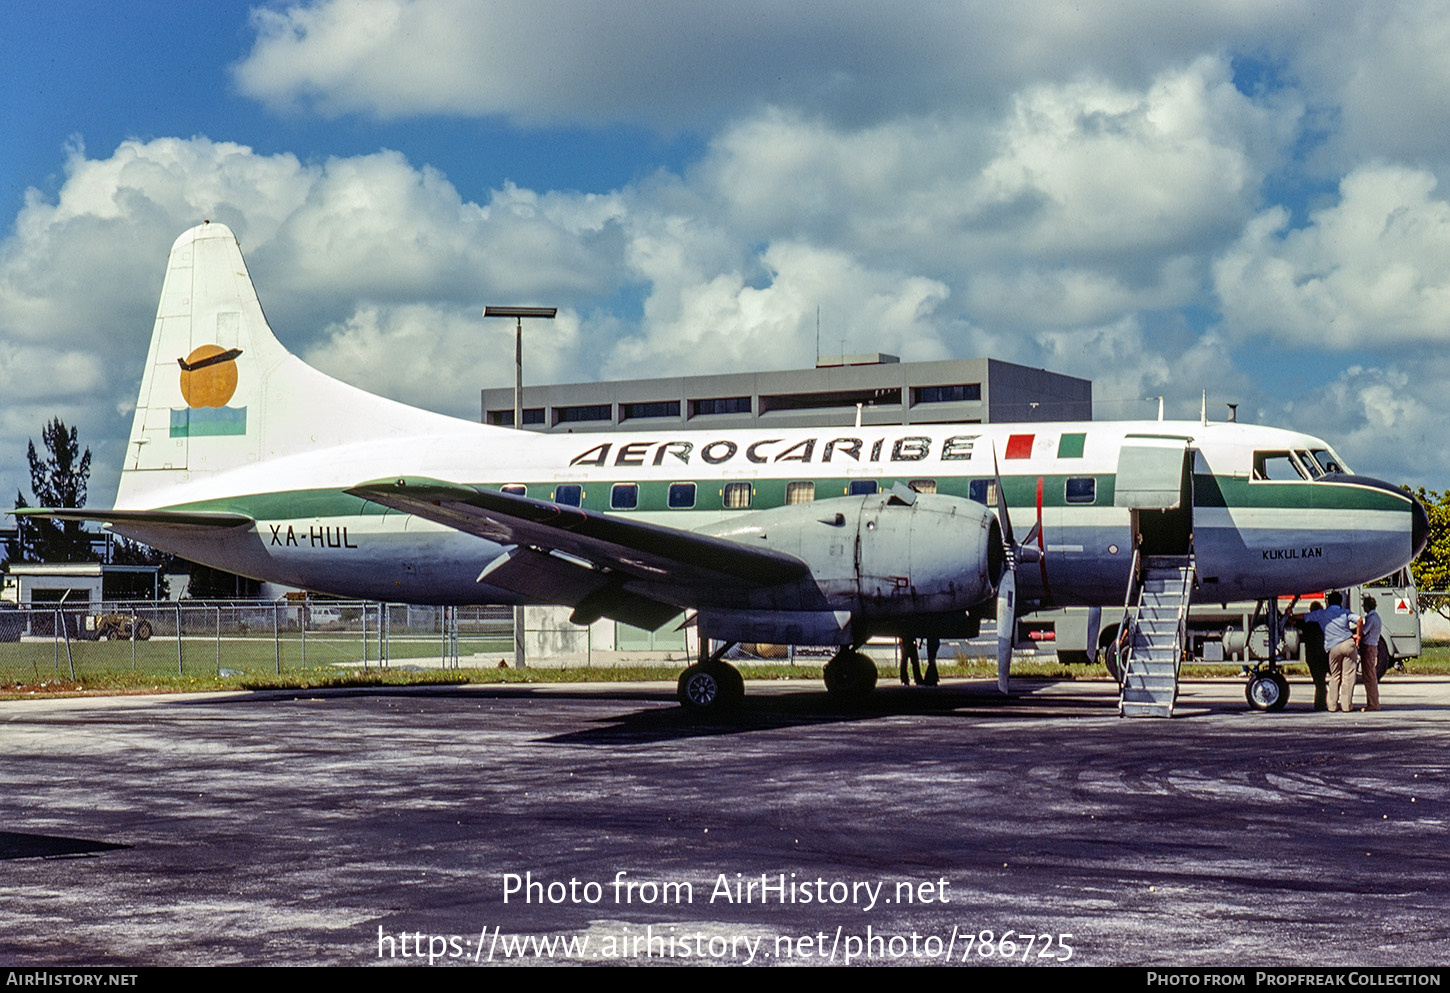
1021,491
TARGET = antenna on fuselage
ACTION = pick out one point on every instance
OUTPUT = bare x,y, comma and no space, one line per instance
1203,409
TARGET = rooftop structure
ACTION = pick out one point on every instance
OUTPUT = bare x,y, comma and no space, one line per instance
888,391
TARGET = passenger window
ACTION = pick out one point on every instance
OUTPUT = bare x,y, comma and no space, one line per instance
1081,489
515,489
569,494
682,496
923,485
736,496
800,492
624,496
984,491
861,487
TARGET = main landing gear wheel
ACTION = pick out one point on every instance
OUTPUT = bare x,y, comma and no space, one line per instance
1267,691
850,676
711,688
1110,661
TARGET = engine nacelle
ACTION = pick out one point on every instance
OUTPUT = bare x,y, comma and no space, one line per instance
877,557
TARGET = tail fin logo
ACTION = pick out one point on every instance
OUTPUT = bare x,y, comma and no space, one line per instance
209,376
208,381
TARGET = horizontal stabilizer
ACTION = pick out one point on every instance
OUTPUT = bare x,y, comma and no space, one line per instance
147,518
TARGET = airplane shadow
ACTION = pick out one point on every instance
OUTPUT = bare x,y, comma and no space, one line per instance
776,711
15,845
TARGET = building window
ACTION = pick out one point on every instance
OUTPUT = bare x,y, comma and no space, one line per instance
923,485
803,492
624,496
584,412
861,487
682,496
736,496
886,396
720,405
1081,489
659,408
962,393
569,494
515,489
505,418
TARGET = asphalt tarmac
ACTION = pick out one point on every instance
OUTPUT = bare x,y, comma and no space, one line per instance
598,823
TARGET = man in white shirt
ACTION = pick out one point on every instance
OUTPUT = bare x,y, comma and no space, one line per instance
1370,626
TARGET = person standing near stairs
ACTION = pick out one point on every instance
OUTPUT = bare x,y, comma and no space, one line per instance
1339,631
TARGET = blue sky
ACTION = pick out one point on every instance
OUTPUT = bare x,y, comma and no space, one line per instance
1245,199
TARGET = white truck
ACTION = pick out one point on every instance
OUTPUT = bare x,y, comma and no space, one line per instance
1234,632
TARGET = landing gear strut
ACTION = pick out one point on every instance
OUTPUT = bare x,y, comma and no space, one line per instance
711,686
1268,689
850,676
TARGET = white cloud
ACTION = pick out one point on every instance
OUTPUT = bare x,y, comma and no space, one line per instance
684,63
1386,420
1011,180
374,268
1087,201
434,357
1115,171
702,322
1381,75
1371,270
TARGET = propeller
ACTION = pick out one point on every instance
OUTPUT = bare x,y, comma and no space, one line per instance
1012,553
1007,585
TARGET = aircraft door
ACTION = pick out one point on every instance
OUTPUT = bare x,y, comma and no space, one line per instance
1155,482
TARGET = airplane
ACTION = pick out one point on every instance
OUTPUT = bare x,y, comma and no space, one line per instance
243,457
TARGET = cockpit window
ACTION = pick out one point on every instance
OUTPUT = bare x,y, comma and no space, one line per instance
1278,467
1309,463
1329,461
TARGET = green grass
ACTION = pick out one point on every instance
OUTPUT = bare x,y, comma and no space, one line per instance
31,670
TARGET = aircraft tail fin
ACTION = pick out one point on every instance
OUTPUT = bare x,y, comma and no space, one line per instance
220,391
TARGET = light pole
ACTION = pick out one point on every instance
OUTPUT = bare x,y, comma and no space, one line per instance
518,314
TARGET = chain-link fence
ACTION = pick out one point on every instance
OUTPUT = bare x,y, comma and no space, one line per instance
230,638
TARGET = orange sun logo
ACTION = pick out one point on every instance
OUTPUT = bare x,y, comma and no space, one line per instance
209,376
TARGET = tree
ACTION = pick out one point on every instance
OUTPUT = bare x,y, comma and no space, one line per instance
58,480
1432,569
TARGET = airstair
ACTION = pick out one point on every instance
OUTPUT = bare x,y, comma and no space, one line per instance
1155,624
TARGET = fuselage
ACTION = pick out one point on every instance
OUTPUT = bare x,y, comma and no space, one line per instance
1264,511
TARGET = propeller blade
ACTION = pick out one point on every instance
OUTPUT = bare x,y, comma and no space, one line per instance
1003,518
1006,623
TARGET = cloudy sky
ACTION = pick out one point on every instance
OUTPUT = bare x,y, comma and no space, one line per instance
1241,196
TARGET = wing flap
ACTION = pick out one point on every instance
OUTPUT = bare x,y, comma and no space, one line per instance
593,593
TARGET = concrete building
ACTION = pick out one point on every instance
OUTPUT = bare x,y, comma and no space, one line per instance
967,391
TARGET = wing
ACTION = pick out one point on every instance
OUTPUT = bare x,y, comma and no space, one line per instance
602,565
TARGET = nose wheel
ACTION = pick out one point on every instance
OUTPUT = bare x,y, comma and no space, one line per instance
1268,690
